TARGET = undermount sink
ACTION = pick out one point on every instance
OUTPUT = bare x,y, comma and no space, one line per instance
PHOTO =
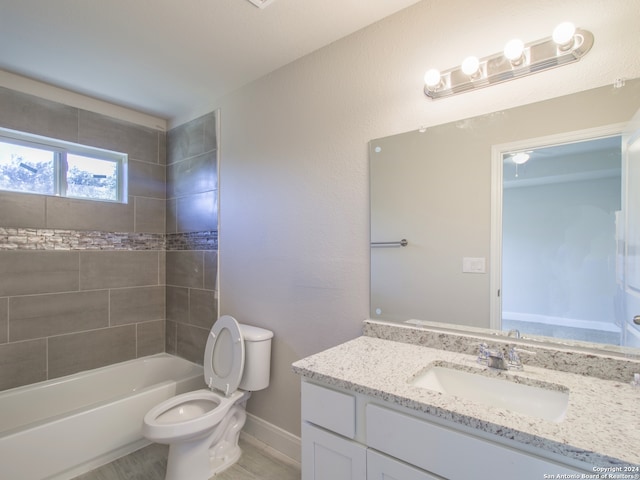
537,399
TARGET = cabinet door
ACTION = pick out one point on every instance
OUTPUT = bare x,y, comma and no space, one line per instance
381,467
326,456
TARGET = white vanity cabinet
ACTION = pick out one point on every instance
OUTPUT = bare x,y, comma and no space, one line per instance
330,450
351,437
330,453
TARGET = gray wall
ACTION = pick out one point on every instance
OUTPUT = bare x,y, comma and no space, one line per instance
82,283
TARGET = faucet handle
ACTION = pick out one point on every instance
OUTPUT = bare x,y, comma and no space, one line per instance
514,359
483,353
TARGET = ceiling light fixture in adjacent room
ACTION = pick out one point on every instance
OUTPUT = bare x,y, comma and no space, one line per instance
568,44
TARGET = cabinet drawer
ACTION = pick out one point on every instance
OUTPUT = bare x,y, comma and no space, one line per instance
329,409
381,467
450,453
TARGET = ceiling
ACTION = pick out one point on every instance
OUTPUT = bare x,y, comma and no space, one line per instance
165,57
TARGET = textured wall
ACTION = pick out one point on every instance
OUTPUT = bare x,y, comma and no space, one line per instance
294,237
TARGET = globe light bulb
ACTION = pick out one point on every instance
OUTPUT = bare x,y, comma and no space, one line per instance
514,50
563,34
470,66
432,78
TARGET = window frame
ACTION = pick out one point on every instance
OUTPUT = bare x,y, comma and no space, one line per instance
61,149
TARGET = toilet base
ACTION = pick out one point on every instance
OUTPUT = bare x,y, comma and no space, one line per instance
219,465
203,458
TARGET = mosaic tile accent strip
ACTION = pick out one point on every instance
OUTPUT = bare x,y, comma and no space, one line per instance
193,241
53,239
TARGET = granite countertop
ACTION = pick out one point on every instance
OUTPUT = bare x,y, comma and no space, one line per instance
601,427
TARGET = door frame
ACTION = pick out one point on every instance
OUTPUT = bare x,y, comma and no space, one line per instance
497,152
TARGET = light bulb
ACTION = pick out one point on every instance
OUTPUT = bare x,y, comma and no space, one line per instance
513,51
563,34
470,66
432,78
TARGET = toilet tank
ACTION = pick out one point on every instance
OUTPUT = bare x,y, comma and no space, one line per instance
257,358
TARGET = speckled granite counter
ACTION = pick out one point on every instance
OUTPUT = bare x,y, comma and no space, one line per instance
602,424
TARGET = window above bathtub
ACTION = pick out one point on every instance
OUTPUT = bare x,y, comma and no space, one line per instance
46,166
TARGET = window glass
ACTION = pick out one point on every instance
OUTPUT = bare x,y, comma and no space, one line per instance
91,178
34,164
26,169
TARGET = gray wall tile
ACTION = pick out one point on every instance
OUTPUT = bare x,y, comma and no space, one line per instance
211,270
146,179
56,274
172,216
27,272
151,338
27,113
140,143
185,269
177,304
22,363
4,319
37,316
162,267
171,336
134,305
203,308
186,140
118,269
68,213
191,342
162,148
194,175
83,351
149,215
196,213
210,139
22,210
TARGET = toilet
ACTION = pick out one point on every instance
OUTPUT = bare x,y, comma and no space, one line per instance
202,427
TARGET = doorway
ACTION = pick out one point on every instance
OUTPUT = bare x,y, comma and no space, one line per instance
556,252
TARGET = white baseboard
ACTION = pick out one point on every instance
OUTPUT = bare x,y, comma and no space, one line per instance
274,438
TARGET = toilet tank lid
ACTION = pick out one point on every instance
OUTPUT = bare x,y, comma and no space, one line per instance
255,334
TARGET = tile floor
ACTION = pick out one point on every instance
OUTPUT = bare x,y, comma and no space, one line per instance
258,462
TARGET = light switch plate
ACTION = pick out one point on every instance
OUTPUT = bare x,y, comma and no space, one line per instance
473,265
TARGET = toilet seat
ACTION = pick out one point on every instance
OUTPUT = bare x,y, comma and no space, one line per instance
224,356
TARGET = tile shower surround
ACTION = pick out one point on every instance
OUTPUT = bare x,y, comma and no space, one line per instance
84,284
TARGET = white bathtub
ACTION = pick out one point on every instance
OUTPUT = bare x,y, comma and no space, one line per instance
60,428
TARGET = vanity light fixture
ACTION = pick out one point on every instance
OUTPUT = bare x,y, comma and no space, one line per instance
567,44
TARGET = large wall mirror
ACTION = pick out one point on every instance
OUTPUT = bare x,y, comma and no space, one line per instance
520,219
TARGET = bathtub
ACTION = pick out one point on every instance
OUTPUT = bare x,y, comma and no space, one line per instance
60,428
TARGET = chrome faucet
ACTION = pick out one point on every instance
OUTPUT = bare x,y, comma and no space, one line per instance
515,333
497,359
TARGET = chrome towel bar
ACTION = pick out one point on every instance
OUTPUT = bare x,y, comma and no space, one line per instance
401,243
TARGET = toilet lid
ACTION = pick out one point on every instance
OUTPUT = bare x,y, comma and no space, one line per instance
224,356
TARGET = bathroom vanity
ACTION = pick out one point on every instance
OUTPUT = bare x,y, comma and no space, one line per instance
384,409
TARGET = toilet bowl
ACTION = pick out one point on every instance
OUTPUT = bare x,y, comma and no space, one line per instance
202,427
